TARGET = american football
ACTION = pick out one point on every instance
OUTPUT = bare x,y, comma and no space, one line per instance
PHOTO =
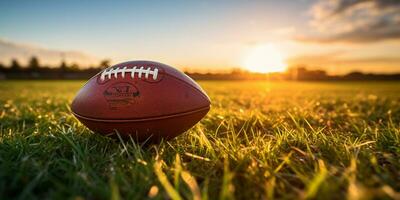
142,99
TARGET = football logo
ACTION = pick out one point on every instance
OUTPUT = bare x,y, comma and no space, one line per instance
121,95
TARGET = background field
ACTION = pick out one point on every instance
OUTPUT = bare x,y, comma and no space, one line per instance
260,140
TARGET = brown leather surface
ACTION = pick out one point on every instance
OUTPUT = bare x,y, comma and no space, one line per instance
168,96
149,130
113,103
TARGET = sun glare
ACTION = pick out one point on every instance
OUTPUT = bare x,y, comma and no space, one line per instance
264,58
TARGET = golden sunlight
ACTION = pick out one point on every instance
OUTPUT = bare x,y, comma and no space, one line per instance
264,58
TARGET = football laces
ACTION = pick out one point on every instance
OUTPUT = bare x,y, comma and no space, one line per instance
114,72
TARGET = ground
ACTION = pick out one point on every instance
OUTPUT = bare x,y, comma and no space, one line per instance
261,140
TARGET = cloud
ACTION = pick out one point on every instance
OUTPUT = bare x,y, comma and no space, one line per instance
23,52
339,62
338,58
353,21
283,31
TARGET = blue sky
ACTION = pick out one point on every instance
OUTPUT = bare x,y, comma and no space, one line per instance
184,33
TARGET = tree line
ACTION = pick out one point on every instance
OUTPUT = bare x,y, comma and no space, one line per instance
34,70
34,65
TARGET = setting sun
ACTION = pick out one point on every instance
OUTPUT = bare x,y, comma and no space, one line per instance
264,58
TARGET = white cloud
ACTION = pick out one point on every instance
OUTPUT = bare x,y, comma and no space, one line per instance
23,52
354,21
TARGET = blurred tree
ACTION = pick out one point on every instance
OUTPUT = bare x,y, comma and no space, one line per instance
63,66
15,66
2,67
74,67
105,63
34,63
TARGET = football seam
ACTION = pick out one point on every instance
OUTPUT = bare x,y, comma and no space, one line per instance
184,82
143,119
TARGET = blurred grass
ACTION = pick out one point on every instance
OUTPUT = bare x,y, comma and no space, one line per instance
261,140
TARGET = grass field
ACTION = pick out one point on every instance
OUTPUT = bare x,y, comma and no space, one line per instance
259,141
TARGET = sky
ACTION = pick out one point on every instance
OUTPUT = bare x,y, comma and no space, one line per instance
338,36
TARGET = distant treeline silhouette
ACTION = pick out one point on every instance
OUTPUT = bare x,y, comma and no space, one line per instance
34,70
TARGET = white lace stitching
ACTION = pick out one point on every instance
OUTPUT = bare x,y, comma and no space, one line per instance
108,73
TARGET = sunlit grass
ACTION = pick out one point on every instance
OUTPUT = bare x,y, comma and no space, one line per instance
260,140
